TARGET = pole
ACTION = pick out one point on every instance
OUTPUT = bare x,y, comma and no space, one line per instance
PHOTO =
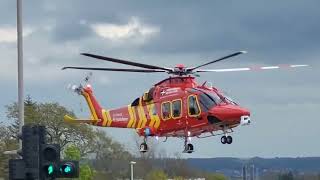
131,165
20,68
131,171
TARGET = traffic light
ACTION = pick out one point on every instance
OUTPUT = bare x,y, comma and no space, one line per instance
69,169
40,160
28,166
49,160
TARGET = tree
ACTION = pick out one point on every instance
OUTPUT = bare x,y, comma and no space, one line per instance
72,153
156,175
76,140
107,150
286,176
215,176
7,143
51,116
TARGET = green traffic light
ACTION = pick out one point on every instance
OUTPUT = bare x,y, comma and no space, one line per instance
50,169
67,169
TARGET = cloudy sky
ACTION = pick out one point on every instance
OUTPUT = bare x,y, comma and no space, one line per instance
284,104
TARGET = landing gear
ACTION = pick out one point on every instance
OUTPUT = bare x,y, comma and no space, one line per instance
223,139
144,146
229,139
188,147
226,139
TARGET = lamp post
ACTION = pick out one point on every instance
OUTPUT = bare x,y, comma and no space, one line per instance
20,68
20,77
131,164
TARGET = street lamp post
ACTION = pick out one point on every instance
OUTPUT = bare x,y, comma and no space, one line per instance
20,77
131,164
20,68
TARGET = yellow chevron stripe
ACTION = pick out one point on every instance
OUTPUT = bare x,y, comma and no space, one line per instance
157,124
109,118
105,118
145,120
140,117
92,110
139,114
131,121
150,109
134,117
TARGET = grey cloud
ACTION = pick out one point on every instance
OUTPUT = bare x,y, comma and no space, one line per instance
191,33
71,32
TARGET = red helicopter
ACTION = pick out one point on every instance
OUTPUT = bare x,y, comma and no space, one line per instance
175,107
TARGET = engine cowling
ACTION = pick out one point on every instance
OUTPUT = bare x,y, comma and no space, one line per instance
245,120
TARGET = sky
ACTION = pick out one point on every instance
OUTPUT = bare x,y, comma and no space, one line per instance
284,104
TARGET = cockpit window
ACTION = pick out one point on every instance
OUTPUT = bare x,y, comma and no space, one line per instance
206,102
215,97
229,100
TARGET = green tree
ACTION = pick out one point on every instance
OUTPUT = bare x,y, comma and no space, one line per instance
72,153
51,115
156,175
73,138
107,150
85,172
215,176
7,143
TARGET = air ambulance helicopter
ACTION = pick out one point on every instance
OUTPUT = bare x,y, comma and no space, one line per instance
174,107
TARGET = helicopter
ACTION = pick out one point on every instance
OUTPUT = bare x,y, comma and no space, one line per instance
175,107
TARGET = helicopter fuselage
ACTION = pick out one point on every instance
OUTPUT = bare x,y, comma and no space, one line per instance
174,107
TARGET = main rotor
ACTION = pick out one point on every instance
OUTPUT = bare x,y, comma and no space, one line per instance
179,70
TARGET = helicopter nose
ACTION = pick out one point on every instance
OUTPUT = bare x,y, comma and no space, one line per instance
230,113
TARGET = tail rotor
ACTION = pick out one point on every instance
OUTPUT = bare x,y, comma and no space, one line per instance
78,88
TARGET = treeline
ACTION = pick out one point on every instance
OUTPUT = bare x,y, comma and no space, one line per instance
100,156
302,164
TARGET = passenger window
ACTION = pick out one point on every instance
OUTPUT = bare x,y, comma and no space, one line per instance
193,104
176,108
166,110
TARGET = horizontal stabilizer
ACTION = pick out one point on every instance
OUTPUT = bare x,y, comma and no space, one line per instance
69,119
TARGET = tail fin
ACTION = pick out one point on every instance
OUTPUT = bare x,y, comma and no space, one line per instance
94,107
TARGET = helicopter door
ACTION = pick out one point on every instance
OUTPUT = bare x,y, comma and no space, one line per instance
193,106
176,109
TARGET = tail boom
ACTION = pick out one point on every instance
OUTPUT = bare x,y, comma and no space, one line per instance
137,117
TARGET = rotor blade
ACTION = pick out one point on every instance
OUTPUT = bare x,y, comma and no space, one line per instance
126,62
114,69
217,60
252,68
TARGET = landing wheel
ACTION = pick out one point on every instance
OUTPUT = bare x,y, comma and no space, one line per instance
224,140
229,139
143,147
188,148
